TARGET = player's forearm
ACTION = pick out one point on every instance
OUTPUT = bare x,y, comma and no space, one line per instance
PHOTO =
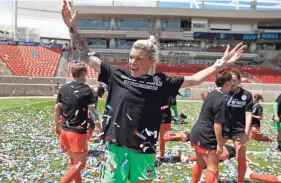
56,114
248,122
199,77
56,117
218,133
84,52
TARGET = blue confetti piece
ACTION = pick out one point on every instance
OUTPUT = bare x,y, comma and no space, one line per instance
93,116
140,135
35,54
153,148
96,112
86,173
184,96
66,70
124,162
98,164
109,107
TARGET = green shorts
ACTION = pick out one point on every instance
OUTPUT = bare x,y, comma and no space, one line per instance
122,165
277,125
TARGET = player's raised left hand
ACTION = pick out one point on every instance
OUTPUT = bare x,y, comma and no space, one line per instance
231,56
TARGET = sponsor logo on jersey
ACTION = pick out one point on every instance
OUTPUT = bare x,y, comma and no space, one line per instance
244,97
157,80
236,103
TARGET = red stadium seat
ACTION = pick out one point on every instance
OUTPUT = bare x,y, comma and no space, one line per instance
21,61
263,74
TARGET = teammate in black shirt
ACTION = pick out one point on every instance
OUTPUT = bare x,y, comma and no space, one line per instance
237,128
257,115
276,120
206,135
75,99
131,121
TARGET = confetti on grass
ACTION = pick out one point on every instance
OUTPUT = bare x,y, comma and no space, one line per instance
30,150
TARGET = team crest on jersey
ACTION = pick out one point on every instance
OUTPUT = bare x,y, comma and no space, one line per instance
244,97
157,80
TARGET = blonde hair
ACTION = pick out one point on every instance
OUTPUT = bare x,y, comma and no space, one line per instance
152,47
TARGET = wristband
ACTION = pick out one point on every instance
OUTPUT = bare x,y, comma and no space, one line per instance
91,54
218,64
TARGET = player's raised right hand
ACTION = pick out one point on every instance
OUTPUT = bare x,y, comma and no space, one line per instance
69,14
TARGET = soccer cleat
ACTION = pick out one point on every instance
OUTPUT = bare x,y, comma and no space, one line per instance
183,116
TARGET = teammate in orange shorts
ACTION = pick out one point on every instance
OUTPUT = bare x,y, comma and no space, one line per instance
76,100
206,134
257,115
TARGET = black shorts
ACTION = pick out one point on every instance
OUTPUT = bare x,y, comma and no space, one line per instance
233,132
166,116
234,135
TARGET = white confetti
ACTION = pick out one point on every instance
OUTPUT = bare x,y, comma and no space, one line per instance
84,122
117,125
129,117
100,134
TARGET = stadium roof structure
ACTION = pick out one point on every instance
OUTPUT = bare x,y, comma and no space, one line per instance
259,5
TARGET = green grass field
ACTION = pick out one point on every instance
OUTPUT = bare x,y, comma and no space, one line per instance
29,150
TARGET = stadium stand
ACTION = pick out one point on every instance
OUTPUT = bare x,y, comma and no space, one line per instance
43,62
1,72
263,74
30,60
187,70
169,69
